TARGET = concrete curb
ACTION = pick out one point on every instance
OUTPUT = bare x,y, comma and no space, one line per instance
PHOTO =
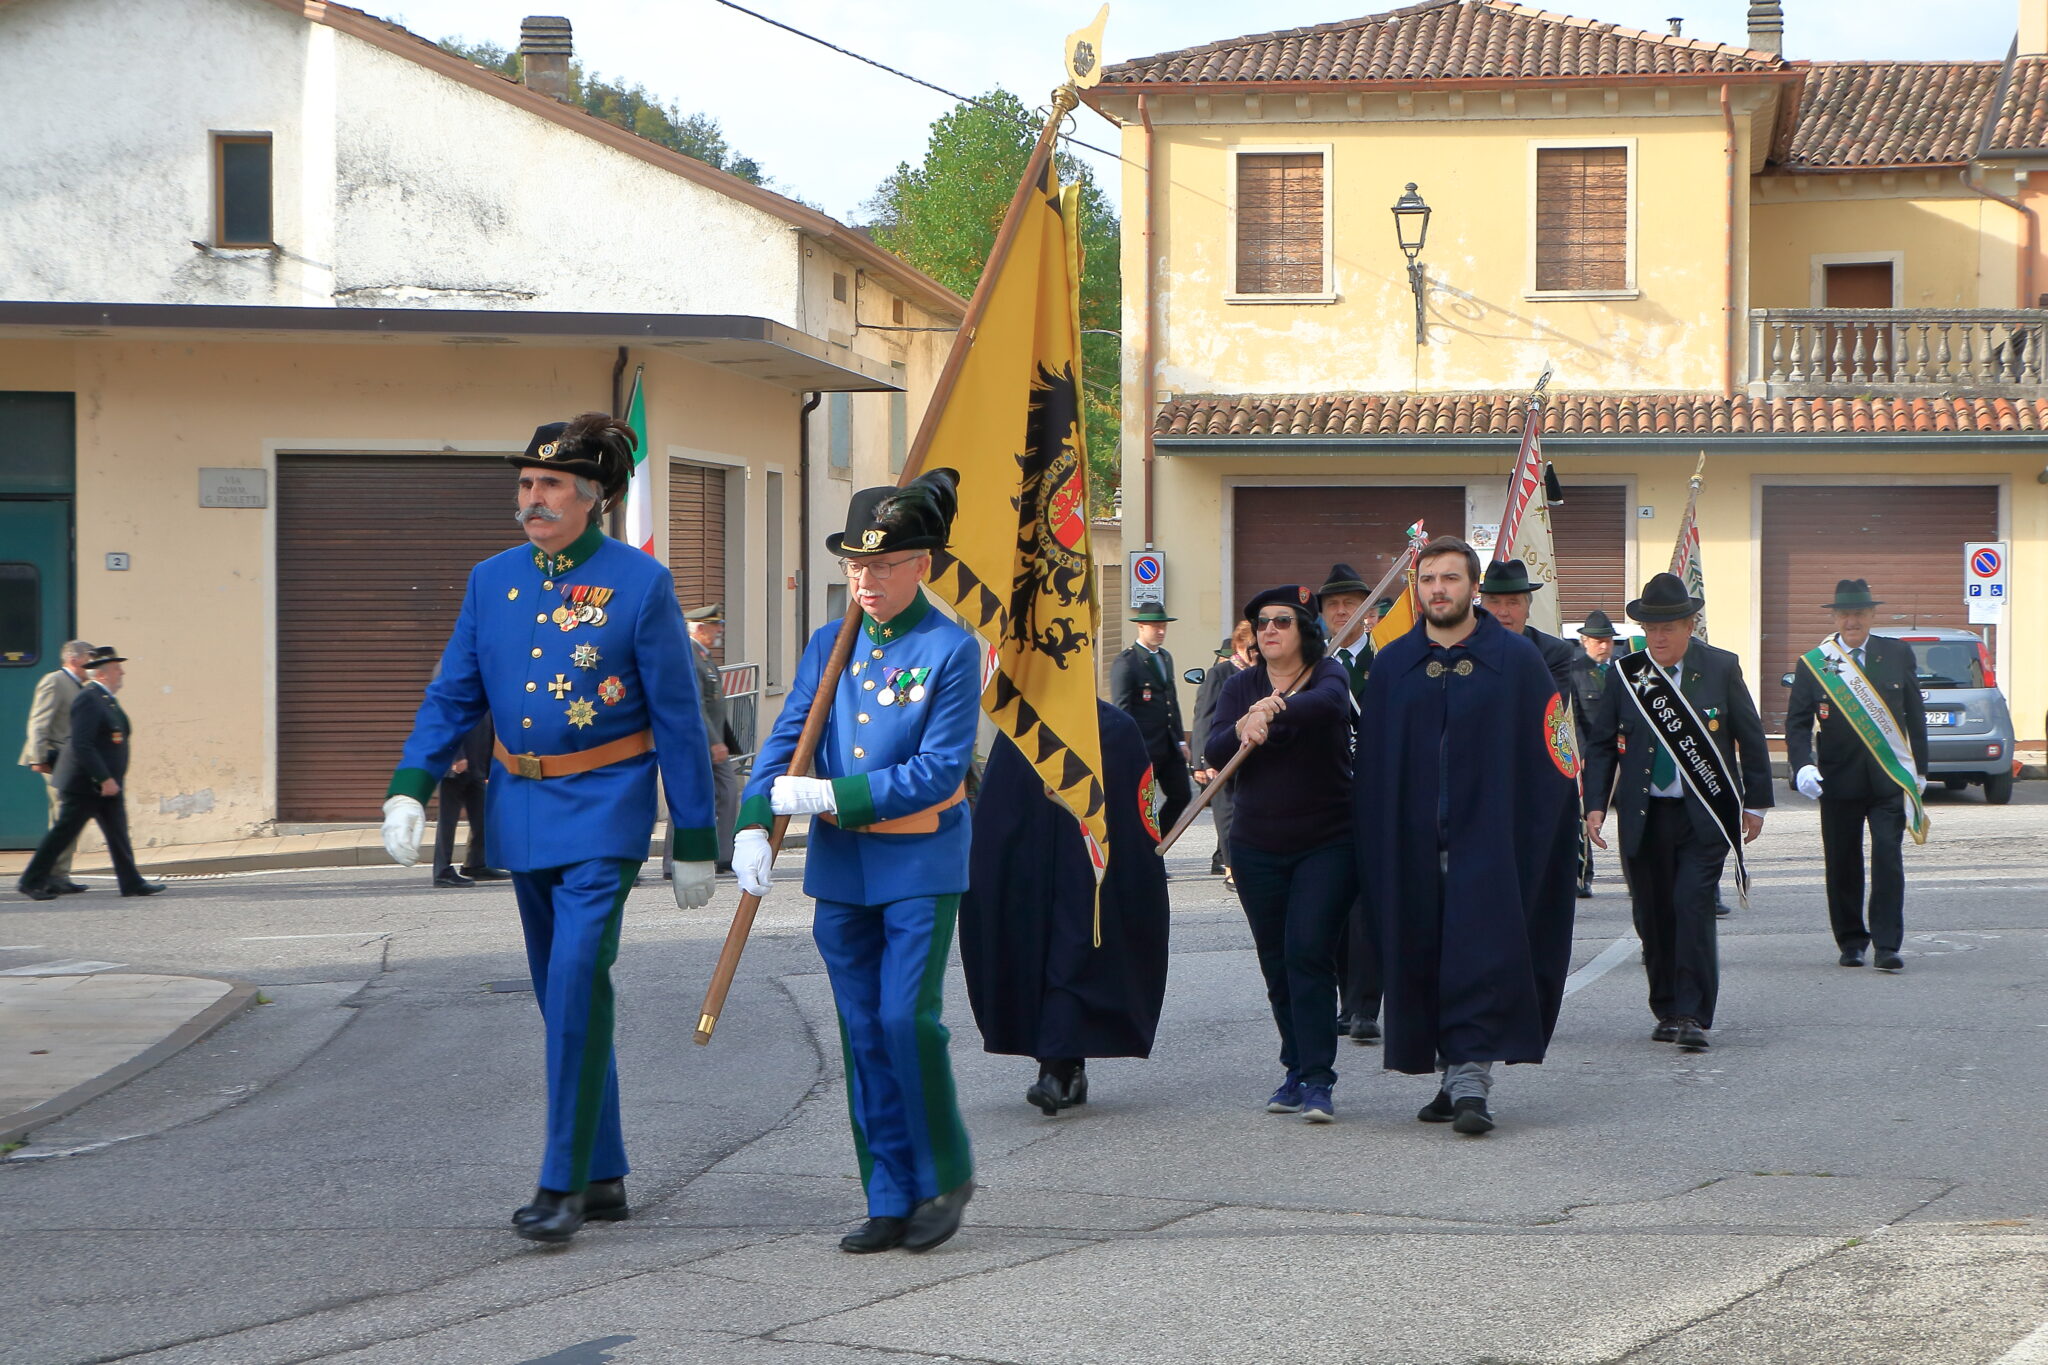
241,995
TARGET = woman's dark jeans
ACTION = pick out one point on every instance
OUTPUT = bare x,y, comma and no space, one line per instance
1296,904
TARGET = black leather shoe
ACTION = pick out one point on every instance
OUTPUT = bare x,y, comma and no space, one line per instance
1665,1032
1691,1037
1471,1117
937,1218
39,893
1365,1031
67,888
1585,891
1438,1110
147,889
877,1234
1722,909
1216,866
557,1217
487,874
604,1201
1047,1094
453,878
1851,957
1886,961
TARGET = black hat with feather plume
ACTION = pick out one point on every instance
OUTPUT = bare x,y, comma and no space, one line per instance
917,516
596,445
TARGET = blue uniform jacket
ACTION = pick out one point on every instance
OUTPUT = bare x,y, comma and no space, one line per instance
900,738
566,653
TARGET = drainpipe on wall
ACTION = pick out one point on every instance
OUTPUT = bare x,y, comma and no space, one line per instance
2029,245
803,518
1728,238
1145,383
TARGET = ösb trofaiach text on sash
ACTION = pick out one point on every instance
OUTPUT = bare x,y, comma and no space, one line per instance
1700,765
1848,687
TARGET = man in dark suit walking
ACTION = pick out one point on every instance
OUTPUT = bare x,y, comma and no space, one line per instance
1141,685
90,773
1590,669
1359,981
1695,779
1858,782
462,795
1504,590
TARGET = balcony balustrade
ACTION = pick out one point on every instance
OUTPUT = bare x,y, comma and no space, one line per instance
1846,352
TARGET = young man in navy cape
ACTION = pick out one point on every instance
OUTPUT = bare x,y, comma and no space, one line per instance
1468,827
575,647
887,858
1040,985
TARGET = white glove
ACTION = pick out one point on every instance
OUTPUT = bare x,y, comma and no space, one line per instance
753,862
1923,786
692,884
1808,782
405,820
802,796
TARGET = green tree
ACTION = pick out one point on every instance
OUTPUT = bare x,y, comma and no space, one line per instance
630,107
942,216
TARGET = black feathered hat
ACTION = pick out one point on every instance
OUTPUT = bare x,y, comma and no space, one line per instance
917,516
1597,626
1665,599
1342,578
1509,575
597,446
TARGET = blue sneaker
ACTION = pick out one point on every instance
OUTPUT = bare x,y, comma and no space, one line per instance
1316,1106
1287,1099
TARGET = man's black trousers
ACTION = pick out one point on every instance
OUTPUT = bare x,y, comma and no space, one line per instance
1841,841
461,795
73,813
1170,770
1672,878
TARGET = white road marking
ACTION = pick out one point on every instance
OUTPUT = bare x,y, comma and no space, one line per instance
1613,953
280,938
19,947
2032,1349
68,967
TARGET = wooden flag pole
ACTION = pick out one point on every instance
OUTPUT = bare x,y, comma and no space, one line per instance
1201,801
1064,100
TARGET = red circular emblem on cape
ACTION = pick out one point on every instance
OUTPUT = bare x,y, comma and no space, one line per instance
1148,804
1559,739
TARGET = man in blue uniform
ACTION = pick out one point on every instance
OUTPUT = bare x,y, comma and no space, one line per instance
887,859
574,645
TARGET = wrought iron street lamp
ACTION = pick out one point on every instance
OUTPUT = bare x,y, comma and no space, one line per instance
1411,229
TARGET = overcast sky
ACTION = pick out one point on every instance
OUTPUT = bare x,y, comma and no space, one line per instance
828,128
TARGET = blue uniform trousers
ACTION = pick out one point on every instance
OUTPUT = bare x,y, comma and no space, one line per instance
571,915
888,970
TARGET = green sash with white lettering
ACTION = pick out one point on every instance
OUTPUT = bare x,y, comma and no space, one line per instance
1849,688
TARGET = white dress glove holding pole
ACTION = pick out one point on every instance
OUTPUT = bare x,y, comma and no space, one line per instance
405,821
802,796
753,862
1808,782
692,884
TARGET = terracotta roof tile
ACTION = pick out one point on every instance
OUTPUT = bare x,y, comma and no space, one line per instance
1444,40
1588,414
2022,118
1866,114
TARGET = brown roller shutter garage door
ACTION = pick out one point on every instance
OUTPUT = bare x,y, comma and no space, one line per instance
1908,541
1294,534
364,606
1590,529
696,536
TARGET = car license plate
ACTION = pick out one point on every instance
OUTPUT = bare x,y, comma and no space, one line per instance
1944,718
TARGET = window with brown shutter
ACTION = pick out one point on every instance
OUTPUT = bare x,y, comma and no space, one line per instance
1280,223
1581,219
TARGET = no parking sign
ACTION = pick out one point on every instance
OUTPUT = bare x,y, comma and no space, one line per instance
1984,581
1148,579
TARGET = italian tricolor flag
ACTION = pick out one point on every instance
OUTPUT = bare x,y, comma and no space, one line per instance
640,490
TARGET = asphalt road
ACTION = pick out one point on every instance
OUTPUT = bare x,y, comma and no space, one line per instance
1854,1173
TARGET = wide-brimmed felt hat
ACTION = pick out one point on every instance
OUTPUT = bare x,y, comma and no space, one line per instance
597,446
1508,575
1597,625
1665,599
714,612
1155,615
1851,593
1342,578
104,654
1295,595
917,516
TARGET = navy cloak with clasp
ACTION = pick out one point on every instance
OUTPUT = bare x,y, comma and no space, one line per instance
1039,985
1475,958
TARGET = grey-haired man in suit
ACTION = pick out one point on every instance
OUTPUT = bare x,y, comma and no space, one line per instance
49,726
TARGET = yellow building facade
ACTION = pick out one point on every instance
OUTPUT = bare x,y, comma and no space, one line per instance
1823,276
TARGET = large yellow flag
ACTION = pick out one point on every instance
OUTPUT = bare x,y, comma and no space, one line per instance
1018,570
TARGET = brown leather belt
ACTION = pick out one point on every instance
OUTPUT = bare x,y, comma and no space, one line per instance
924,821
538,766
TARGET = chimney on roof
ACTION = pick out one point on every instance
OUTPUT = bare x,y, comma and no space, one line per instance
1767,26
1677,22
2033,28
544,50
